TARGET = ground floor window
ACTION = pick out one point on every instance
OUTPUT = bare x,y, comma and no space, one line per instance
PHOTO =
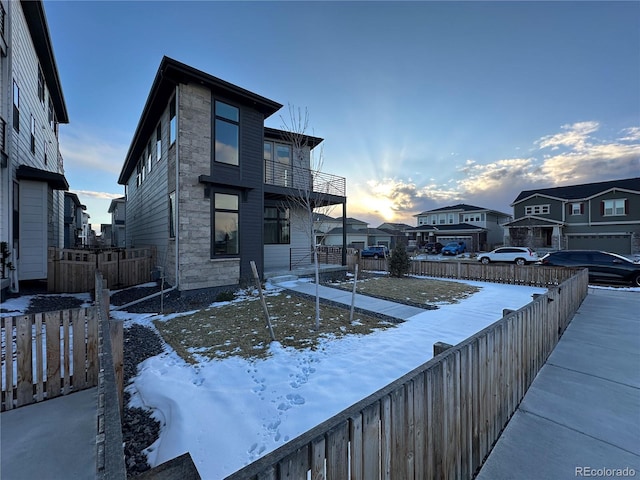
225,221
277,226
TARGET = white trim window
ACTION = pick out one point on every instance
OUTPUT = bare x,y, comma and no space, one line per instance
614,207
577,208
537,209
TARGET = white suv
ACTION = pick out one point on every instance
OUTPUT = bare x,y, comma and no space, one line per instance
518,255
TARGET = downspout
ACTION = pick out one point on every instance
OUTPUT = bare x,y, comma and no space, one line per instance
177,205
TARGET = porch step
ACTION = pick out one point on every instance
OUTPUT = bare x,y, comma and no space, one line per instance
282,278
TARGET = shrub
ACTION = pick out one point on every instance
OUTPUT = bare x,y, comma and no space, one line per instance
399,263
225,296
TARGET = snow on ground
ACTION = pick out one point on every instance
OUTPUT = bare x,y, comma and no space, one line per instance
227,413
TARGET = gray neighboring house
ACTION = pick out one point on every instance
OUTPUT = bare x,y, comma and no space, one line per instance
116,232
599,216
210,187
32,177
480,228
396,231
72,220
356,232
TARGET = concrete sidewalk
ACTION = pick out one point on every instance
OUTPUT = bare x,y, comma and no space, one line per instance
385,307
582,413
54,439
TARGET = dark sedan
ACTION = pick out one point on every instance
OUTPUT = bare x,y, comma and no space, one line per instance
603,266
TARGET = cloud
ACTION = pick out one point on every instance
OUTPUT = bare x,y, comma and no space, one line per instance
97,195
87,152
574,155
574,136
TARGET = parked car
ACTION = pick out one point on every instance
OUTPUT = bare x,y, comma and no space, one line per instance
517,255
603,266
433,248
454,248
375,251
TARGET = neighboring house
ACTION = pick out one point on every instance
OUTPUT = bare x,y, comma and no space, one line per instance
601,216
211,188
375,236
73,210
104,240
356,233
117,209
87,235
31,167
480,228
397,232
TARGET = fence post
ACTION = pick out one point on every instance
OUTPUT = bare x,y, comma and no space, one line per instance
117,350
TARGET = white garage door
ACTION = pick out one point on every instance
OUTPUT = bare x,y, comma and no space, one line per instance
609,243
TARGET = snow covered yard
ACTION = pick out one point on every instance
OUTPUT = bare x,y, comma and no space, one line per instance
227,413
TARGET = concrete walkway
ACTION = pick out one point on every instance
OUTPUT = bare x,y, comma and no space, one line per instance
581,415
385,307
54,439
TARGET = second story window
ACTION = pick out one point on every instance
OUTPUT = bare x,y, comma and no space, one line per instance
537,210
614,207
227,128
52,117
149,162
172,121
159,142
40,84
33,134
577,208
16,107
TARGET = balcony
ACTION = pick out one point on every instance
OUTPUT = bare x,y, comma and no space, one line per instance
303,179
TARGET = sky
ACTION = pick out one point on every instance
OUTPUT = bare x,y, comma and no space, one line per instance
421,104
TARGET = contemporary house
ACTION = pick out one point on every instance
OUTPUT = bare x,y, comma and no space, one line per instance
117,209
480,228
32,181
601,216
213,189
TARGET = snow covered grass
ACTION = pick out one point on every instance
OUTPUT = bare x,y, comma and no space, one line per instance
228,412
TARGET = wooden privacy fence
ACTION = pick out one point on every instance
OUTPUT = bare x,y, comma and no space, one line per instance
45,355
497,273
71,270
441,419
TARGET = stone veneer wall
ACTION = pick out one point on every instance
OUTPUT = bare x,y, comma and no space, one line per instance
197,270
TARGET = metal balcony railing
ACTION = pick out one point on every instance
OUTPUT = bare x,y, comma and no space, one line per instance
303,179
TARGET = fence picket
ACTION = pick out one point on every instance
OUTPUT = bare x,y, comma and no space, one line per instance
39,380
52,322
24,360
9,362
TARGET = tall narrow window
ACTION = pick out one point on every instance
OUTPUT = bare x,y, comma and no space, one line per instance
268,163
159,143
33,134
225,223
227,127
44,148
172,214
277,226
149,162
172,121
40,84
51,116
16,107
282,167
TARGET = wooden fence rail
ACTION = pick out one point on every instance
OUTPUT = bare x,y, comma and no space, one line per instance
441,419
533,275
71,270
45,355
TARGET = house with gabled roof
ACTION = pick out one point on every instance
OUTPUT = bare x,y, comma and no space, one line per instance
599,216
480,228
211,187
